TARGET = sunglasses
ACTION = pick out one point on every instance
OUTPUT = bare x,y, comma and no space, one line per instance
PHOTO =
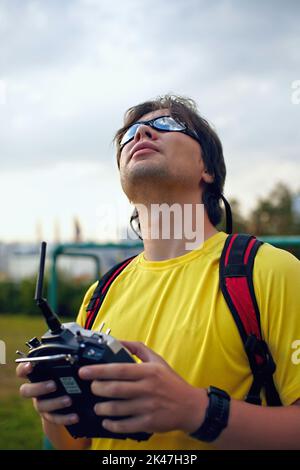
162,124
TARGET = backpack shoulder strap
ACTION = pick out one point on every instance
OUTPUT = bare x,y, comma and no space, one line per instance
236,282
101,291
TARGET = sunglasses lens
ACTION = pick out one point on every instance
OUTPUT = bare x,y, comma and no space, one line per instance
129,134
167,123
163,123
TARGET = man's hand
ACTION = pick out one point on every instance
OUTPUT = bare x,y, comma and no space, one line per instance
53,423
45,407
155,397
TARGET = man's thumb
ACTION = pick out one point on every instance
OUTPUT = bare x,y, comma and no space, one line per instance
142,351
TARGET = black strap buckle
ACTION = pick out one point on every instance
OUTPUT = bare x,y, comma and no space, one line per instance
260,358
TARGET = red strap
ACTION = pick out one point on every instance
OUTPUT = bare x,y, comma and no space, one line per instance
114,275
240,295
248,251
239,292
229,248
91,313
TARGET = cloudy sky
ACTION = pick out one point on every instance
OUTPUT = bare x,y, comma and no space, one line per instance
70,68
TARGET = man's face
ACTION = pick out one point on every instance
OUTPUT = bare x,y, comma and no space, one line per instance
156,160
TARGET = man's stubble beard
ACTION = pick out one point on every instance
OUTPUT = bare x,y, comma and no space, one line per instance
142,182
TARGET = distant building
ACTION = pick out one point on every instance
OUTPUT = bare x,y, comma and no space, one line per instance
21,260
3,259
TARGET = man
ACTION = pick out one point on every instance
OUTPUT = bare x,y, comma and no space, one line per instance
167,307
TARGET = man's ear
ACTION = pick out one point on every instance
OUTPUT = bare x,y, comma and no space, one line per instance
207,177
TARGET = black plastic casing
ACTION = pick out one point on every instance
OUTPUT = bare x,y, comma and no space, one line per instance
83,348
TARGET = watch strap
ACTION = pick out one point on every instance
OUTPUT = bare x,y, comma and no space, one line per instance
216,416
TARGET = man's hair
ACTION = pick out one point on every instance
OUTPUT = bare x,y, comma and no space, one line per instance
185,110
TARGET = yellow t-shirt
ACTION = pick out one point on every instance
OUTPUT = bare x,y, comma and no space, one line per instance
176,308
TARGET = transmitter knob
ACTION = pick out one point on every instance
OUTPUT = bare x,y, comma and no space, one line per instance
33,343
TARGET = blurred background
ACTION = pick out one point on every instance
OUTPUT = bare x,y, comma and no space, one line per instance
68,72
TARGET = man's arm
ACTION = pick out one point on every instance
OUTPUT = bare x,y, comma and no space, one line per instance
259,427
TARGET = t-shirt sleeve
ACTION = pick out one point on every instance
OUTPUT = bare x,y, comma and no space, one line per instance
81,317
277,287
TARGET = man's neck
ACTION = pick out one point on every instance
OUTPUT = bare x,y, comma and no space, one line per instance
159,250
166,235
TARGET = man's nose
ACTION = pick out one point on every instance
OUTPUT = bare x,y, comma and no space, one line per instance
144,131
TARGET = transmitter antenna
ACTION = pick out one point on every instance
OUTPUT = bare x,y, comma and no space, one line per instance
50,317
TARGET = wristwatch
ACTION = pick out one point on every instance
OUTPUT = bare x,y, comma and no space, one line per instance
216,416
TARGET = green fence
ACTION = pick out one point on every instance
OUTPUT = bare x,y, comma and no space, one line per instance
89,250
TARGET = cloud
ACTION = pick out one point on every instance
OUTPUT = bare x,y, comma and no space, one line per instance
42,199
69,70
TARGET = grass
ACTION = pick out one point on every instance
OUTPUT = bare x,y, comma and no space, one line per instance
20,426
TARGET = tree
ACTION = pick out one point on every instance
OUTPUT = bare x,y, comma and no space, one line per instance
274,214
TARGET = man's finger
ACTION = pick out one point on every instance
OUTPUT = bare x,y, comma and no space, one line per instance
118,389
118,371
23,370
120,408
144,353
65,420
46,406
130,425
37,389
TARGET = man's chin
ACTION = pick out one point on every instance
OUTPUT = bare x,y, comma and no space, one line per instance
144,170
143,178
